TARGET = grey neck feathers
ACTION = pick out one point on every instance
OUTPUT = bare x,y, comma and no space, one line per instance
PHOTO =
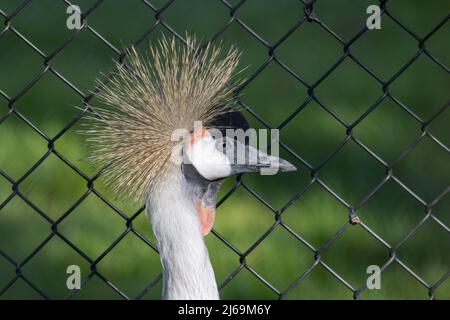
187,270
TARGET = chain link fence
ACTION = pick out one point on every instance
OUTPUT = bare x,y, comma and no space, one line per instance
306,15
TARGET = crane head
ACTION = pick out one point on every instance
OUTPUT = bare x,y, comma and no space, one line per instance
216,153
168,91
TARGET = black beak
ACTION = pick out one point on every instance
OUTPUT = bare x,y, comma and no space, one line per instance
254,160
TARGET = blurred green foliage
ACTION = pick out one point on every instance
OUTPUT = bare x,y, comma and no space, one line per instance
313,134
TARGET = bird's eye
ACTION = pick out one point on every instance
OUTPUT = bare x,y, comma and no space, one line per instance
222,145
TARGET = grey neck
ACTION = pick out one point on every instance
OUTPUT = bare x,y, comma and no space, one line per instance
187,270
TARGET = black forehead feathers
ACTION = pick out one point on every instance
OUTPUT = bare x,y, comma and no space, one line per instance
230,120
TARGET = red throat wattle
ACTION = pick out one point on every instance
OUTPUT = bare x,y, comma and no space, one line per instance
206,216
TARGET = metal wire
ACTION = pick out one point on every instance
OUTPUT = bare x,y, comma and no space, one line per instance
308,16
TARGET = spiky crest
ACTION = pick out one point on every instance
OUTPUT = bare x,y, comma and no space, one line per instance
149,98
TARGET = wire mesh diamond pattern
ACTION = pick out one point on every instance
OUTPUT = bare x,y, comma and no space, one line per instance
307,15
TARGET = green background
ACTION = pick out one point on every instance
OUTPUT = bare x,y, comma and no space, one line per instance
274,94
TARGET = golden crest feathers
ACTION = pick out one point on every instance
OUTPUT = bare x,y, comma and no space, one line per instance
148,99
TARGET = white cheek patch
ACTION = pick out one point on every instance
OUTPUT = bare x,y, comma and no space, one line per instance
209,162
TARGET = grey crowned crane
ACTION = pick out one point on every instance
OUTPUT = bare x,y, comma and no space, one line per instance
133,141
